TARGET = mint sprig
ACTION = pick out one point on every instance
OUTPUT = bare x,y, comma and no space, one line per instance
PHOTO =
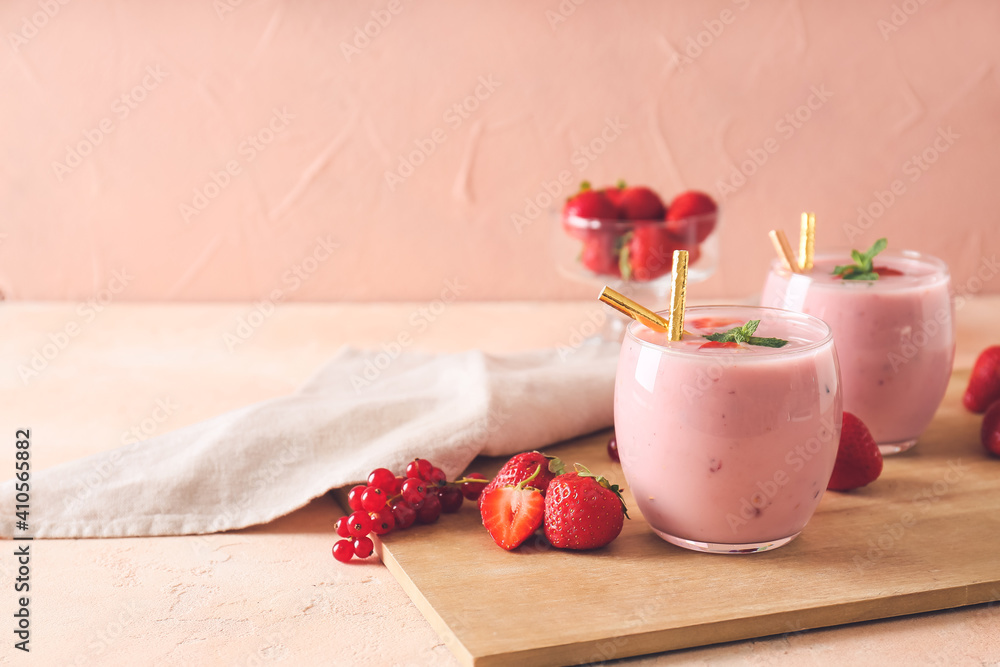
745,334
863,268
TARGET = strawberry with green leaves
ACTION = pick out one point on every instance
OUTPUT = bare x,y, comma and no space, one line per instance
586,205
521,467
583,510
647,253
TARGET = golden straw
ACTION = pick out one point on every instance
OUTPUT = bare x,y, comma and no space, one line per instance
784,249
678,294
807,241
627,306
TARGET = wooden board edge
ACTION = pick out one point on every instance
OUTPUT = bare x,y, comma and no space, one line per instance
757,627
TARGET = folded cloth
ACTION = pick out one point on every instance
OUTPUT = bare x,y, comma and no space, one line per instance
361,411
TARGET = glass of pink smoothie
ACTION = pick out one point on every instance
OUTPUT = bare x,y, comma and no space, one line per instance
895,335
729,449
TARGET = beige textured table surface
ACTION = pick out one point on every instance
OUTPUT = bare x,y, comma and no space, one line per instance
274,594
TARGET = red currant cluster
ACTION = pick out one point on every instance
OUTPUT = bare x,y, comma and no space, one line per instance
389,502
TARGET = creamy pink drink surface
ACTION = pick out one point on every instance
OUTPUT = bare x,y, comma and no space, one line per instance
728,446
895,337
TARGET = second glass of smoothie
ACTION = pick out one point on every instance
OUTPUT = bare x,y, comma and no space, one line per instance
728,449
895,336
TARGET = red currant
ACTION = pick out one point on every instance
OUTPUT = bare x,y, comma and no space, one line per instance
403,514
382,521
354,496
382,478
472,490
451,498
613,449
343,527
430,510
359,523
437,476
363,547
373,499
413,490
343,550
397,486
419,468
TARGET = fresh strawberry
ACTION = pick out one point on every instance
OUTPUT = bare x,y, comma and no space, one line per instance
512,514
885,271
640,203
600,253
648,253
521,467
590,204
704,323
614,195
859,461
583,510
692,216
585,206
718,343
990,432
984,382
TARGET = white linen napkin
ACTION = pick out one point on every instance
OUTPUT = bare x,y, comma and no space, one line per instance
361,411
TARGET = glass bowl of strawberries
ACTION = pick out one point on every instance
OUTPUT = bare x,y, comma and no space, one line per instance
625,237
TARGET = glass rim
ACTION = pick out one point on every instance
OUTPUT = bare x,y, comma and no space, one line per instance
607,224
941,271
826,339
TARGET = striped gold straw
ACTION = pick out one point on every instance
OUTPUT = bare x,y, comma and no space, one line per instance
784,249
807,241
627,306
678,294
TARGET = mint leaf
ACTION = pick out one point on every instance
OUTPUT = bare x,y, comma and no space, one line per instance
863,263
767,342
744,334
877,247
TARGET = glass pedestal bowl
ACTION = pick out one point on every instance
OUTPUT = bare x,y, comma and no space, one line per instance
634,257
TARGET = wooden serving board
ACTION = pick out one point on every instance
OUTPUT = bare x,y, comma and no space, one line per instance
924,536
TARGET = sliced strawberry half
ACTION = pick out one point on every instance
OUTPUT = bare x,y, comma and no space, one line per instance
704,323
512,514
719,343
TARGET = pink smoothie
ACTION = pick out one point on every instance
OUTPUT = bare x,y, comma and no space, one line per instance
895,337
728,447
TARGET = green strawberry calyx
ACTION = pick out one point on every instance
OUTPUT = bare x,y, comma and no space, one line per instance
625,255
523,484
556,466
582,471
863,268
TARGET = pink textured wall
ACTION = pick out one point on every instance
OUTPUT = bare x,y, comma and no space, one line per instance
232,149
